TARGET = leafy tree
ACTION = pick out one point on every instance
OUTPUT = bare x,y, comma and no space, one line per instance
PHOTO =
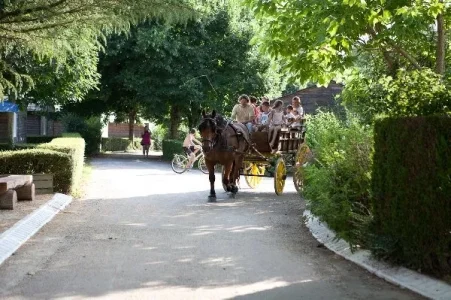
318,40
32,27
169,73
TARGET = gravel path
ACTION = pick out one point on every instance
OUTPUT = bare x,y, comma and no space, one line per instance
144,232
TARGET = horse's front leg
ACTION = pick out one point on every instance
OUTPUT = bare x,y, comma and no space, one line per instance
211,177
227,174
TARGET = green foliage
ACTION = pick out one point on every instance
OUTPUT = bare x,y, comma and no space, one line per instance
410,93
7,147
34,161
171,147
57,82
159,132
74,146
120,144
30,28
337,184
169,73
39,139
411,188
90,129
319,40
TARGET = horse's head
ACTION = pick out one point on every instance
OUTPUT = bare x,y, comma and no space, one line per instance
208,128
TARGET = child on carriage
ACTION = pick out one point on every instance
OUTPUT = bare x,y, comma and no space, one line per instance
262,123
276,121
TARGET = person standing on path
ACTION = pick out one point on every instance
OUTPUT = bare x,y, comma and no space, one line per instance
244,112
146,141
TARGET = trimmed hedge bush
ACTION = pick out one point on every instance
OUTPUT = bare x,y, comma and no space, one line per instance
35,161
9,147
171,147
411,187
120,144
74,146
40,139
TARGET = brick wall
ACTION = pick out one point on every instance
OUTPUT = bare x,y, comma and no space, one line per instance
33,125
4,130
121,130
57,129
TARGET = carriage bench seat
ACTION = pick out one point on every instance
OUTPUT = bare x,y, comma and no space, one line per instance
260,140
15,187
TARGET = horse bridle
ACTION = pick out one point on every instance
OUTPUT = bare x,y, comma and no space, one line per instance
214,141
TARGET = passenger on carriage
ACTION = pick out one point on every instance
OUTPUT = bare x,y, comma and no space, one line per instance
276,121
292,118
244,112
297,106
262,123
255,107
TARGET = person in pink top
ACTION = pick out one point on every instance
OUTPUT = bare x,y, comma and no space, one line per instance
256,108
146,141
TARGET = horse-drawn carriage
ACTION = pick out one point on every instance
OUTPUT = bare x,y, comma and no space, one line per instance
260,162
229,144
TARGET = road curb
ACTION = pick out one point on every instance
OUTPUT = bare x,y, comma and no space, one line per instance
403,277
13,238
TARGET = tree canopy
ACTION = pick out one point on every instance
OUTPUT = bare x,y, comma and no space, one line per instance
319,40
170,72
57,29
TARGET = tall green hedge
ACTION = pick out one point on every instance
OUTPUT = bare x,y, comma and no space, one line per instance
8,147
35,161
411,187
74,146
120,144
171,147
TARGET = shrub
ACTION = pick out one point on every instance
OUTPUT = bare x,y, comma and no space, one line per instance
120,144
36,161
90,130
410,93
411,189
74,147
9,147
171,147
39,139
158,134
336,186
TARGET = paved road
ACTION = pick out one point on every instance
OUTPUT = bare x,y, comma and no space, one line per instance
144,232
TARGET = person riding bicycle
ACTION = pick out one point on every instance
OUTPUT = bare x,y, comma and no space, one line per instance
190,147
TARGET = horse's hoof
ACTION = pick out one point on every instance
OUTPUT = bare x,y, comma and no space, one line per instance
234,189
211,198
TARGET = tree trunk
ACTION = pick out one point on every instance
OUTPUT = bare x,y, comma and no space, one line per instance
175,122
441,45
391,66
131,125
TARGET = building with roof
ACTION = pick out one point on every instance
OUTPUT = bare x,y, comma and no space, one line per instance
314,97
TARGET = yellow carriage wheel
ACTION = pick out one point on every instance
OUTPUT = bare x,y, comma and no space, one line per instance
280,175
253,169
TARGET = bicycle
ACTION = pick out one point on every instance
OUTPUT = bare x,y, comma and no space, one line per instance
180,162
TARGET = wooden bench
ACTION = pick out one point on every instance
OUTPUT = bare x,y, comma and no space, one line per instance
14,188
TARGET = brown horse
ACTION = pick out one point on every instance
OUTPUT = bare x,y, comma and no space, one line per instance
223,143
